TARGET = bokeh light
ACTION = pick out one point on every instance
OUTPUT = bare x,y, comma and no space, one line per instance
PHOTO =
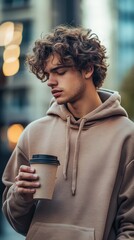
11,53
17,37
6,33
11,68
14,132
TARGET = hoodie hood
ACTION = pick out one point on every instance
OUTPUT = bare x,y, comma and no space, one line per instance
110,107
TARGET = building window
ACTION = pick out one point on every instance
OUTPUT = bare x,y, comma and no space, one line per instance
126,16
15,3
27,31
19,98
1,103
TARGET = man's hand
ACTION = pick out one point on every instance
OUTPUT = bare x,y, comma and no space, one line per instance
27,182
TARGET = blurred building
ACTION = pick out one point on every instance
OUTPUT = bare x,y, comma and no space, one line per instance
100,17
125,37
22,97
113,22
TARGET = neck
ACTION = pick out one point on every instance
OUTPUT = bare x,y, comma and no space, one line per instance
86,105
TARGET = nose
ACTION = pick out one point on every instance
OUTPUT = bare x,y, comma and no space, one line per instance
52,81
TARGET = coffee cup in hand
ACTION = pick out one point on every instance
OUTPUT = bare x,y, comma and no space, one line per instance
46,167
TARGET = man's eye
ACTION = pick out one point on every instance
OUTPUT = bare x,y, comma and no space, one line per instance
61,72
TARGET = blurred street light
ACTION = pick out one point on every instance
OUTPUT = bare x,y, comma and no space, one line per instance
6,33
11,37
11,68
17,36
13,134
11,53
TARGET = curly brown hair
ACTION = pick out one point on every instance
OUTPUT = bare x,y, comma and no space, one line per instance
77,46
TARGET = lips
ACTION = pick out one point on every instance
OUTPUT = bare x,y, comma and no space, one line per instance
56,92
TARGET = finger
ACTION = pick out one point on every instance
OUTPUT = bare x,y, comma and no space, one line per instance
26,190
26,176
25,168
26,184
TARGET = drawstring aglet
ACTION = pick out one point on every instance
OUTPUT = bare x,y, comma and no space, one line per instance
65,176
73,191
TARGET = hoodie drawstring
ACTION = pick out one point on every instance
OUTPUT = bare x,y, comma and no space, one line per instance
76,153
75,160
67,149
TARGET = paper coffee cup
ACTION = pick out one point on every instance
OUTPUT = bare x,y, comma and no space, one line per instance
46,167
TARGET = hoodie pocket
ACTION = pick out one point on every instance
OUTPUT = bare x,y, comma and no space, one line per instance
49,231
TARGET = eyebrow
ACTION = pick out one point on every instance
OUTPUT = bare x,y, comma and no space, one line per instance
59,67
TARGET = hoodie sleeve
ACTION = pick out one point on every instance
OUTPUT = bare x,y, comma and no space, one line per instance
17,211
125,215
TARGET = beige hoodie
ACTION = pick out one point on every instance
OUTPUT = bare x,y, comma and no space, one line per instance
94,192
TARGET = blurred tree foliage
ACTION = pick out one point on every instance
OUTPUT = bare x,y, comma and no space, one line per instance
127,93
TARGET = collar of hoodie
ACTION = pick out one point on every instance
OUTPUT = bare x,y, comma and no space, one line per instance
76,153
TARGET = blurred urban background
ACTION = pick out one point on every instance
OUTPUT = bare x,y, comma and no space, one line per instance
23,98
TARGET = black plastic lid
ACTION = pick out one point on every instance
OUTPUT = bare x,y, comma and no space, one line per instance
44,159
44,156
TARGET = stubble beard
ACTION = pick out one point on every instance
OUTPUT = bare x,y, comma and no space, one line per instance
73,98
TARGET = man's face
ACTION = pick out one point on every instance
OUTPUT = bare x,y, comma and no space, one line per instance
66,82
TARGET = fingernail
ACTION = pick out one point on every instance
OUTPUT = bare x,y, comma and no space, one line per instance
37,184
35,176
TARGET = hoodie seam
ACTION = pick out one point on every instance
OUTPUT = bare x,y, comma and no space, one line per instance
23,153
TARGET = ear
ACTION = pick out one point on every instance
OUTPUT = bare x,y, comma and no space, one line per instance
88,73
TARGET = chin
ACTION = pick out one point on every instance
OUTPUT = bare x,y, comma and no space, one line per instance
60,101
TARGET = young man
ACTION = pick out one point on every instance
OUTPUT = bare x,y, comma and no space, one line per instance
89,132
